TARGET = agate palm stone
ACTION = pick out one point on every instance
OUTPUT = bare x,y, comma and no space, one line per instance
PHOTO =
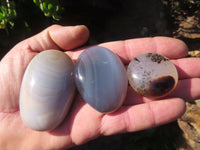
152,75
101,79
47,90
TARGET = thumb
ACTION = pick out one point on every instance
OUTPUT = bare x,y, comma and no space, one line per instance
69,37
55,37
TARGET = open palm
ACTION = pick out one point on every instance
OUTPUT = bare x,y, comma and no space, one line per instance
83,123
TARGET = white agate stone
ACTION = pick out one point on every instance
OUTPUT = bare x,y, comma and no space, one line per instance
47,90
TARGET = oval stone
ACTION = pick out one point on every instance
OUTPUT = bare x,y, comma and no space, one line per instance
47,90
152,75
101,79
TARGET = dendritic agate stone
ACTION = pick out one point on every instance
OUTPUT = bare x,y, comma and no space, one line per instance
47,90
152,75
101,79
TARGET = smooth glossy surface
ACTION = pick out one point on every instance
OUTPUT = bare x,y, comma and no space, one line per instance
152,75
101,79
47,90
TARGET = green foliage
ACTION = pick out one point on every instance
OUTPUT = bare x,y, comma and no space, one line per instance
7,13
50,8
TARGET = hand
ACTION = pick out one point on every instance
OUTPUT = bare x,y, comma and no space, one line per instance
83,123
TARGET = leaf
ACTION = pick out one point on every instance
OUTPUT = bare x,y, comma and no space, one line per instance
36,2
1,16
50,6
12,24
47,14
57,8
56,17
27,26
41,7
44,6
2,26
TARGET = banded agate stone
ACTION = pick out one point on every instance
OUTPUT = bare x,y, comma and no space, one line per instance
152,75
47,90
101,79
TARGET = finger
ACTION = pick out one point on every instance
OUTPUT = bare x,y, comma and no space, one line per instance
56,37
187,89
144,116
83,120
187,67
127,50
169,47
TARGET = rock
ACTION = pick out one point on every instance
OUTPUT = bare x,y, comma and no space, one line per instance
195,53
189,27
101,79
190,125
152,75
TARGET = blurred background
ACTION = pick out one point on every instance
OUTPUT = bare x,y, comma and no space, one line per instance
110,20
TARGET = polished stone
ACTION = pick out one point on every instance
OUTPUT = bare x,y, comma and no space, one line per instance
101,79
47,90
152,75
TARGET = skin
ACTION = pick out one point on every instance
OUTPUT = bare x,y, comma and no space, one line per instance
83,123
